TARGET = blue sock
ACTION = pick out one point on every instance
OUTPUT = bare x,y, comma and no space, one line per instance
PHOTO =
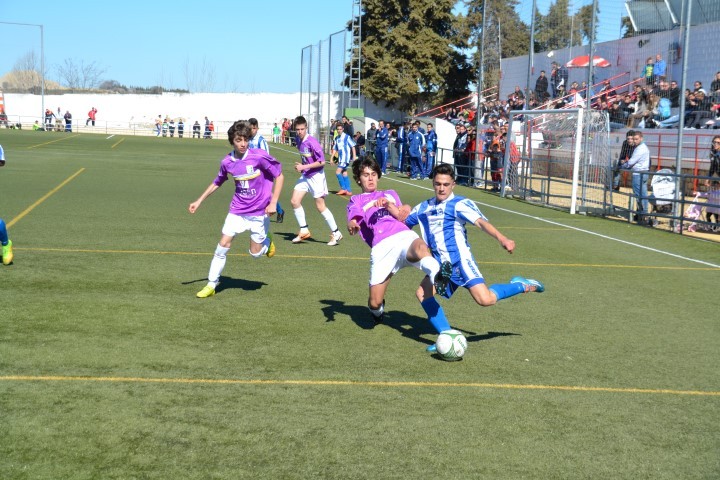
347,183
436,314
3,233
505,290
280,209
340,180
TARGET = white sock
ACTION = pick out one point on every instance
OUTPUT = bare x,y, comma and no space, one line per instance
430,266
328,216
262,251
300,216
217,265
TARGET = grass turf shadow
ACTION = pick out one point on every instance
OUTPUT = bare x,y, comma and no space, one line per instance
227,283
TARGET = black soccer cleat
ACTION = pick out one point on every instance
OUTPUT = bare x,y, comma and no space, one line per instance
442,278
280,217
377,320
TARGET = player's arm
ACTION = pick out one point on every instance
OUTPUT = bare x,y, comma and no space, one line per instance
488,228
208,191
271,209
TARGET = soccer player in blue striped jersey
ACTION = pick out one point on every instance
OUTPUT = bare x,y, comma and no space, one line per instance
7,250
442,221
344,145
257,141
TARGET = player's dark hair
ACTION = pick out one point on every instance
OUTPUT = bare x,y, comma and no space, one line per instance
300,120
361,164
253,122
443,169
241,128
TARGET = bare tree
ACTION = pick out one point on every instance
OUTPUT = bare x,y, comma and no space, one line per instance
80,75
199,78
26,71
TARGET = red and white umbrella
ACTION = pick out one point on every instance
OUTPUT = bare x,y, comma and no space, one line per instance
584,61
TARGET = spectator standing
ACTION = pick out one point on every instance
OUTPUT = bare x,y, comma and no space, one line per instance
459,156
639,163
276,133
648,72
431,147
68,121
91,116
382,139
171,126
359,145
626,151
541,90
158,125
416,143
659,69
347,126
180,128
49,115
400,144
206,134
196,129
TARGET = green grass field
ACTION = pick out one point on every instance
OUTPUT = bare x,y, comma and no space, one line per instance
111,368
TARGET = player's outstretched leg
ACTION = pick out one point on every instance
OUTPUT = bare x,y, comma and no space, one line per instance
442,278
7,250
529,284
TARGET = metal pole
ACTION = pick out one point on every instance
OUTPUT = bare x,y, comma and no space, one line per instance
681,124
586,156
481,81
531,55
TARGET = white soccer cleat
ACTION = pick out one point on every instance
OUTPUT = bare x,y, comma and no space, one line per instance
335,238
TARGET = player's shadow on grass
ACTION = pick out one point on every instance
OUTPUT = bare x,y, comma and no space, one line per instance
227,283
289,236
409,326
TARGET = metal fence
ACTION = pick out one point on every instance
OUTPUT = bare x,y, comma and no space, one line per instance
323,93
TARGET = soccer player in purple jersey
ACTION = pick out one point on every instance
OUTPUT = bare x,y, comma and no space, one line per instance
312,180
255,199
374,215
443,221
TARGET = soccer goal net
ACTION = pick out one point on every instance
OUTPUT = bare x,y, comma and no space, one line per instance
560,158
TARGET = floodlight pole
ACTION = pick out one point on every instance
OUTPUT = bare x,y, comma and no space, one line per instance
42,60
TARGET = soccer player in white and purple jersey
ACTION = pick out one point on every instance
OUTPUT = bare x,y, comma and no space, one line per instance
312,180
442,221
258,141
375,215
254,172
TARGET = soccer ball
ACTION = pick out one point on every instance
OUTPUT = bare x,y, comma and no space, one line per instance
451,345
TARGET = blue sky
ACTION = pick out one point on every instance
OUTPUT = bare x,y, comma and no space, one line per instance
248,47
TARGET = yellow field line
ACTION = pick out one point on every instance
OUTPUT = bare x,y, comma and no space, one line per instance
54,141
348,383
323,257
45,197
118,143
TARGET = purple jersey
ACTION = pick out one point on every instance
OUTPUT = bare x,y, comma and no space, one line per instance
253,175
376,224
310,152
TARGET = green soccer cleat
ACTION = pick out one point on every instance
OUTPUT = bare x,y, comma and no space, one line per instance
7,253
207,291
529,284
271,248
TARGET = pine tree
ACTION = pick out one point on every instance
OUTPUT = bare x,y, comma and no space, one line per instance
409,52
506,34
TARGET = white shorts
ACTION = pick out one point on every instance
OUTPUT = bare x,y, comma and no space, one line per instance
315,185
257,224
390,255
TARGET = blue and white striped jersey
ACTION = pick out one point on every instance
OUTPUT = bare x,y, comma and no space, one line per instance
343,145
259,142
443,226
